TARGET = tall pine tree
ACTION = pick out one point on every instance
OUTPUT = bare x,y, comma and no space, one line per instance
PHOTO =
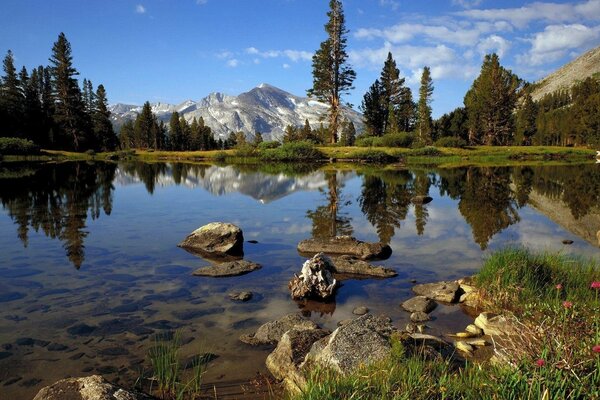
332,76
424,108
11,98
373,111
103,129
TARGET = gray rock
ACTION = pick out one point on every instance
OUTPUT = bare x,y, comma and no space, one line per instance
230,268
567,241
345,245
495,325
351,265
217,238
362,310
271,332
419,200
441,291
88,388
315,280
419,304
419,316
284,362
363,340
240,296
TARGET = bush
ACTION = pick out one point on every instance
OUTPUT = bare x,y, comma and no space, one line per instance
369,141
400,139
246,150
220,156
272,144
450,141
17,146
293,151
426,151
376,156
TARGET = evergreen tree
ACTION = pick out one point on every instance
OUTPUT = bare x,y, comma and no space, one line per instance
406,111
393,89
47,99
373,111
526,122
424,111
186,134
258,139
175,134
490,104
332,76
290,134
69,110
126,135
143,131
103,129
33,117
195,135
11,98
348,134
306,132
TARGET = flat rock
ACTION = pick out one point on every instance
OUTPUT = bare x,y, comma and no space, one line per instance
419,304
447,292
495,325
215,238
271,332
362,310
347,264
345,245
419,200
88,388
567,241
419,316
230,268
240,296
284,362
361,341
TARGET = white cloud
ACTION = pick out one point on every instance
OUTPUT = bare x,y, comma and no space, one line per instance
140,9
467,3
286,66
556,41
493,44
539,11
393,4
233,63
224,54
406,55
292,55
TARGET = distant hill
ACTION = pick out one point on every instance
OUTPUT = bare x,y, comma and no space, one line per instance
582,67
265,108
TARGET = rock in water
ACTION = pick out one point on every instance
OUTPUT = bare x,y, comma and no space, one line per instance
231,268
241,296
350,265
216,238
315,280
419,304
88,388
345,245
272,331
442,291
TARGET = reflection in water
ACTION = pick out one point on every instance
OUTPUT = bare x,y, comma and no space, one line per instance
57,199
329,220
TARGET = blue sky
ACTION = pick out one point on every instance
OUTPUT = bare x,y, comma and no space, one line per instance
171,51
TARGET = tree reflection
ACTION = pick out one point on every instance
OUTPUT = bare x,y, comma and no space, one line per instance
329,220
56,199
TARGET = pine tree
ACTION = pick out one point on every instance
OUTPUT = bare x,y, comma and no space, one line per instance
126,135
373,111
32,107
11,98
306,131
290,134
143,131
406,111
258,139
332,76
348,134
490,104
526,122
186,134
69,110
104,133
175,134
393,89
47,98
424,110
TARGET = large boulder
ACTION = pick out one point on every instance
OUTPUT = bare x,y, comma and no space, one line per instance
230,268
88,388
359,342
315,280
272,331
345,245
419,304
353,266
447,292
284,362
495,325
216,238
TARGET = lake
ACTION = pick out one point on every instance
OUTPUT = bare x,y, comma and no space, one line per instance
90,271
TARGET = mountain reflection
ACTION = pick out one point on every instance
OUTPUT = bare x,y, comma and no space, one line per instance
57,198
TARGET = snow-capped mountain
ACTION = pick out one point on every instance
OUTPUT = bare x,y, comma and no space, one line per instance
265,108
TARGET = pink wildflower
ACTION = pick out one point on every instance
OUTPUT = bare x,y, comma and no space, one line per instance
595,285
540,362
559,286
596,348
567,304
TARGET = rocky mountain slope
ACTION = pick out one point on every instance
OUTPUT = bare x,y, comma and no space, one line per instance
265,108
583,66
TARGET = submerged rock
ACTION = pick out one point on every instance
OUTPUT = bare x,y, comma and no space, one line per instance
271,332
240,296
419,316
419,304
217,238
345,245
447,292
315,280
351,265
361,310
230,268
88,388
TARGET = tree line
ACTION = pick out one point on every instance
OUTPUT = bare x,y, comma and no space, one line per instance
48,107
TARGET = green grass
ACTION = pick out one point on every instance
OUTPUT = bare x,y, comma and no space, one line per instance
524,285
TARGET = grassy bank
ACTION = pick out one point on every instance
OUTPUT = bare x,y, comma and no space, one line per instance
444,157
556,300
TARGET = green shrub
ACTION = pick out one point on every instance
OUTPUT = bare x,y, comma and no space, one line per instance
450,141
400,139
375,156
17,146
426,151
246,150
220,156
272,144
369,141
293,151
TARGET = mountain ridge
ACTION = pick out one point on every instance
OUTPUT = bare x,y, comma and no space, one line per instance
264,108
